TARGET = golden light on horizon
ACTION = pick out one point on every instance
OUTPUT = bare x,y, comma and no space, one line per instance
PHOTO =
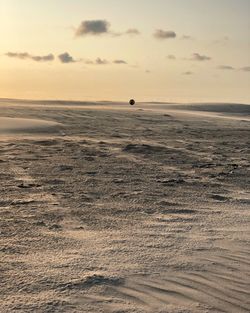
95,52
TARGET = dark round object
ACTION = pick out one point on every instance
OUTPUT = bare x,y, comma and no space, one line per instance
132,102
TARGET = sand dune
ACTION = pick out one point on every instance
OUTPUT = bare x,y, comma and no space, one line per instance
235,108
110,208
209,110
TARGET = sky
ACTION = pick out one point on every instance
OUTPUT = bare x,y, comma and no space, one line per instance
150,50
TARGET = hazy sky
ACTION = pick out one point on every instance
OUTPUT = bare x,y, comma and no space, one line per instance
164,50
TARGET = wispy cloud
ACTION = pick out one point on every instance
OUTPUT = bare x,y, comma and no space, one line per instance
199,57
26,55
133,31
231,68
45,58
171,57
100,61
97,61
164,34
245,69
18,55
120,62
66,58
221,40
188,73
226,67
186,37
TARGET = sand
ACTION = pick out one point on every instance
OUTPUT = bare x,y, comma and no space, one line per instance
8,125
112,208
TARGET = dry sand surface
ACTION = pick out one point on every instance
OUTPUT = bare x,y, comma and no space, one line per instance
111,208
10,125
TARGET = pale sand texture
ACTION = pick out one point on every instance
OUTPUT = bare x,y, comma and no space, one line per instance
14,124
125,209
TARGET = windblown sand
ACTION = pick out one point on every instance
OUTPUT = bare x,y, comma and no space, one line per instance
111,208
8,125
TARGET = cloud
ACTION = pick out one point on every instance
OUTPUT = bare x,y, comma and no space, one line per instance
186,37
45,58
188,73
100,61
93,27
66,58
116,34
26,55
171,57
225,67
101,27
198,57
19,55
164,34
245,69
120,62
133,31
89,62
222,40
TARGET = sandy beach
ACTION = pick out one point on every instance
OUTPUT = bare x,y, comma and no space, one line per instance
107,207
